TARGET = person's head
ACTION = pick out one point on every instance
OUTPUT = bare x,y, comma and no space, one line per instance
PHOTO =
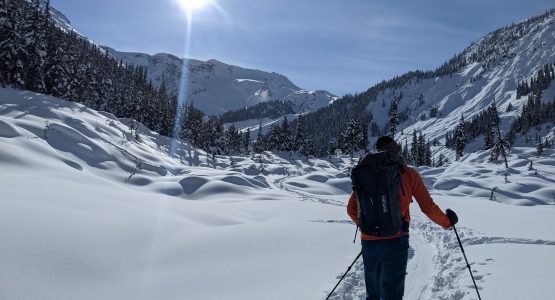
386,143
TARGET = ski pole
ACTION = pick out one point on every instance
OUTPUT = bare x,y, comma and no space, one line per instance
467,264
348,269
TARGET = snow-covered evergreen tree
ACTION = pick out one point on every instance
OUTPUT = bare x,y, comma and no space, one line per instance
393,121
36,48
233,139
12,44
540,148
460,139
285,137
259,143
354,138
246,142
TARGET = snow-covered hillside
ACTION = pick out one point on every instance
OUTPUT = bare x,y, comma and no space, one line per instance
215,87
90,212
497,62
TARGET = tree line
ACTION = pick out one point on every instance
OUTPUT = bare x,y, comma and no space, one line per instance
37,55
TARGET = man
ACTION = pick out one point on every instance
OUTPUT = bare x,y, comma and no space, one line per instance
385,257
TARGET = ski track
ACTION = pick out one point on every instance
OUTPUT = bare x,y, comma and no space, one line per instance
437,253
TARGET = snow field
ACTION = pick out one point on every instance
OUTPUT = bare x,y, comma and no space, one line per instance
91,213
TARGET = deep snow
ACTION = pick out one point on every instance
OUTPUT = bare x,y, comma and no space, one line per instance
91,213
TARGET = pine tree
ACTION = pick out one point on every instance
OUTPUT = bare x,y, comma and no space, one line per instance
259,143
233,139
406,153
488,138
57,74
428,155
274,139
4,30
460,139
500,145
539,147
246,141
414,149
285,136
393,119
300,140
35,48
440,160
192,123
12,48
421,150
354,138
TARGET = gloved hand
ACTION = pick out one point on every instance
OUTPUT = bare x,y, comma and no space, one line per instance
452,216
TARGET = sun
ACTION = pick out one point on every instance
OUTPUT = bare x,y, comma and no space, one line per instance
190,5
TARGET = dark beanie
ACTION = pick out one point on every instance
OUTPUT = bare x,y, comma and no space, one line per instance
386,143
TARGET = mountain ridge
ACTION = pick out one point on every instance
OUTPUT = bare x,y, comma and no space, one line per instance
216,87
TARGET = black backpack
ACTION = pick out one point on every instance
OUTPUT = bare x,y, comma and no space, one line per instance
377,185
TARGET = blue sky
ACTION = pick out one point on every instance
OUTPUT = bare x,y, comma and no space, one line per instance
343,46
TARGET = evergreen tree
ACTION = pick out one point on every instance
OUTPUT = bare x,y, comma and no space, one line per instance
421,150
354,138
192,123
499,147
300,140
309,147
259,143
488,138
233,139
414,149
539,147
406,153
460,139
285,136
12,45
246,141
274,138
393,119
57,74
35,48
4,31
441,160
428,155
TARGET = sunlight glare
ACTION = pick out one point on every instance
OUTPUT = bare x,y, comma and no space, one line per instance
190,5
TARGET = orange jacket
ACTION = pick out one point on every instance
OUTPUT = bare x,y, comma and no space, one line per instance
412,185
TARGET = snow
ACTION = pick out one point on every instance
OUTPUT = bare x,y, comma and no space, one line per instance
91,213
473,88
215,87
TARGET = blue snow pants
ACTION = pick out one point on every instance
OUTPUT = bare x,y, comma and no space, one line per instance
385,266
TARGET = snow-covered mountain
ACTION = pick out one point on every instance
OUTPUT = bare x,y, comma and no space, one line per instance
61,20
491,68
434,101
215,87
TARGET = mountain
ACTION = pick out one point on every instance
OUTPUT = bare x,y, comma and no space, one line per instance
58,17
215,87
433,102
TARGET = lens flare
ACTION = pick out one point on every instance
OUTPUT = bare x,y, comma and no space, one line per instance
190,5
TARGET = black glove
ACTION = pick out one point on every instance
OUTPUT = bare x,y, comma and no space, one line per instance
452,216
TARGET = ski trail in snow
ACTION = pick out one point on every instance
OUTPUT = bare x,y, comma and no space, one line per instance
305,196
436,268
